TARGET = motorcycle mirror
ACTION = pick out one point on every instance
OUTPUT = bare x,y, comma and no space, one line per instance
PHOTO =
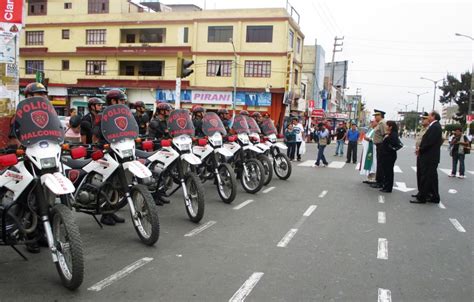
232,138
8,160
166,143
202,142
147,146
96,155
78,152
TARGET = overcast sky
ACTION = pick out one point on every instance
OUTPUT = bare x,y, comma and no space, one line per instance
390,44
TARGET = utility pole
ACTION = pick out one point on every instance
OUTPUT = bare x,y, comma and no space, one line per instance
434,91
334,50
417,103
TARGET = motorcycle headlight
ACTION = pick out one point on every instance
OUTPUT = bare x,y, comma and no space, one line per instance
127,153
184,147
217,143
48,163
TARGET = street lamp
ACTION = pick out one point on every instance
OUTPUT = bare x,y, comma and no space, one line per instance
417,102
466,36
434,92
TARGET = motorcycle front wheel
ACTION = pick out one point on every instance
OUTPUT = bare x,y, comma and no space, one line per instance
282,166
194,202
68,243
146,222
228,188
252,177
267,168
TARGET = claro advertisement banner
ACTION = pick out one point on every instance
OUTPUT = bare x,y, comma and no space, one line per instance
11,11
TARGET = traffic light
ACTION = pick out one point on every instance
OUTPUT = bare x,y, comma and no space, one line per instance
183,70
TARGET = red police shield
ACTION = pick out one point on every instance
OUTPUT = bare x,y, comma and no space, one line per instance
121,122
40,118
181,122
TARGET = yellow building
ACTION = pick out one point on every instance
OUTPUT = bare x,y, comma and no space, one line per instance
85,48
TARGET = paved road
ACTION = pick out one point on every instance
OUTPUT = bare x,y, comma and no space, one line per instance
320,236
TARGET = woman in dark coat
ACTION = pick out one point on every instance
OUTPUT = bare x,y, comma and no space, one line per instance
389,155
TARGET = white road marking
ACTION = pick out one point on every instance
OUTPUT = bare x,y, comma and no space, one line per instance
441,205
323,193
452,191
287,238
382,249
382,218
243,204
381,199
384,295
457,225
336,164
246,288
471,172
446,171
396,169
414,168
119,275
268,190
200,229
310,210
401,186
307,163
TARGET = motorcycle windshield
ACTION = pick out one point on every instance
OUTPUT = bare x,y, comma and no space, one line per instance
240,124
180,123
253,126
211,124
35,121
268,127
118,123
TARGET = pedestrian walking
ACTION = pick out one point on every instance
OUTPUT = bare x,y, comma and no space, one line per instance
290,140
322,136
459,148
429,156
424,124
379,135
299,132
340,136
368,164
353,139
390,145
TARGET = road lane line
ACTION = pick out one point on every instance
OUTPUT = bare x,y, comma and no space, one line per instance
414,168
268,190
382,249
323,193
382,218
396,169
200,229
381,199
457,225
441,205
246,288
446,171
310,210
287,238
384,295
336,164
120,274
452,191
243,204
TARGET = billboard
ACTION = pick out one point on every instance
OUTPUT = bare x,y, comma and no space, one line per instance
340,73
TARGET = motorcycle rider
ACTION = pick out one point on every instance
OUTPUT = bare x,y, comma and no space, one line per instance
94,105
141,117
258,118
224,116
113,97
198,115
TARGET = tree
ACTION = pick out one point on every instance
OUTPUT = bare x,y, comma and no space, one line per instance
457,91
411,120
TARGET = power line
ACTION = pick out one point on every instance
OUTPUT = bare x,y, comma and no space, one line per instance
331,16
409,41
388,85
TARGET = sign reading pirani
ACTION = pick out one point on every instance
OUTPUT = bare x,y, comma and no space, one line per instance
211,97
11,11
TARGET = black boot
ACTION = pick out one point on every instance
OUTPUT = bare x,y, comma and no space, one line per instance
117,218
33,247
107,219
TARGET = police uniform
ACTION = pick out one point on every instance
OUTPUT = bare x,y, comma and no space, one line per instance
142,121
198,127
379,134
158,128
419,137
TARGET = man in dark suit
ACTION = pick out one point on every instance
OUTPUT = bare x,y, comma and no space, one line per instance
429,156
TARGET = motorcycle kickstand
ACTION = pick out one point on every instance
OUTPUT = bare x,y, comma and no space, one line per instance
98,222
19,253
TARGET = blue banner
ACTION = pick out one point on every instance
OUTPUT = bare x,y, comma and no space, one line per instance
168,96
263,99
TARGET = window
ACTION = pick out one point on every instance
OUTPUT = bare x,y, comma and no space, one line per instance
37,7
217,68
65,64
95,36
185,35
130,70
219,33
65,34
298,45
259,34
32,66
153,35
67,5
142,68
291,37
258,69
34,37
98,6
296,76
130,38
95,67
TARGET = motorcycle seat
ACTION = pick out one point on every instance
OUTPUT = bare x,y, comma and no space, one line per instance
75,163
143,154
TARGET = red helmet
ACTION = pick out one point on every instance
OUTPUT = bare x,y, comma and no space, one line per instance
115,94
198,108
244,112
256,114
94,101
35,88
223,111
164,106
266,114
